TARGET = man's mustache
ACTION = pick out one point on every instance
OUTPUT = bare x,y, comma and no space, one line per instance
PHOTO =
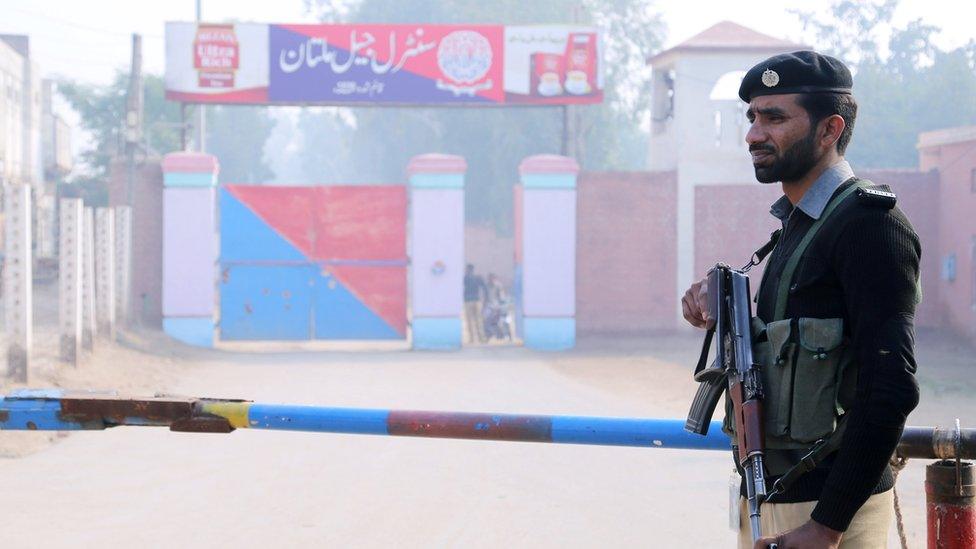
761,147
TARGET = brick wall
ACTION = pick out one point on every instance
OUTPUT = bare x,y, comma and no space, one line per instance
625,262
956,165
731,222
147,235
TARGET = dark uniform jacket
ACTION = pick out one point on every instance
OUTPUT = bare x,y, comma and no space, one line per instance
862,266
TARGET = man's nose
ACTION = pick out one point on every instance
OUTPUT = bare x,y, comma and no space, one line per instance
755,135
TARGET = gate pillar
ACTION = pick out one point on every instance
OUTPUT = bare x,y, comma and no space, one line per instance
436,249
545,236
189,246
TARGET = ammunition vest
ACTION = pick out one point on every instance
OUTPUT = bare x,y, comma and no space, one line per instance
808,370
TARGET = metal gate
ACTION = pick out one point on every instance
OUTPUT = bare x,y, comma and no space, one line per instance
300,263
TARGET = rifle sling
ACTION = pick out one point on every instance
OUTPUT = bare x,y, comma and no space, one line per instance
703,358
823,448
762,252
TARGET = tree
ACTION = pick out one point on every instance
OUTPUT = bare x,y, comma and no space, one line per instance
377,146
912,87
236,136
101,110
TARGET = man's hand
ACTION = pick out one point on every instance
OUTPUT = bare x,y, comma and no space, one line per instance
694,305
812,535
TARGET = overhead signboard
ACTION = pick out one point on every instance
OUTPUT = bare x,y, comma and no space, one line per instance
257,63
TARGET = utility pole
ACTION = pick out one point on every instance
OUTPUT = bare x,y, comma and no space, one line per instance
201,110
133,115
570,115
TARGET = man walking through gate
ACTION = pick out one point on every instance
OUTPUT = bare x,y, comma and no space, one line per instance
834,332
475,293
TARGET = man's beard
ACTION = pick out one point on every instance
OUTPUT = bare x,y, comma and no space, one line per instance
793,164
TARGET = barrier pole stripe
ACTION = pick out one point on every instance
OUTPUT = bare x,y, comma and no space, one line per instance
236,413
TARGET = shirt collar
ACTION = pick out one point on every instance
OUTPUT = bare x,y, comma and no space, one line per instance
818,195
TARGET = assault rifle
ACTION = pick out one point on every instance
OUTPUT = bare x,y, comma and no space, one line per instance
733,370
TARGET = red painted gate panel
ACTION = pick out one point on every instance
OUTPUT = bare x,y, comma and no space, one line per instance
354,237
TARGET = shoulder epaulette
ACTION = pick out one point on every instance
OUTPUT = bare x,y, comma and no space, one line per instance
873,196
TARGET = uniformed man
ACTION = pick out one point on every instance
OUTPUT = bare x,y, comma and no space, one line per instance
835,308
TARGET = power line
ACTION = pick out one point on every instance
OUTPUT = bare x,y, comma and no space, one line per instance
78,25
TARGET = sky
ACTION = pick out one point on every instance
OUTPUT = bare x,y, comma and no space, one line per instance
89,40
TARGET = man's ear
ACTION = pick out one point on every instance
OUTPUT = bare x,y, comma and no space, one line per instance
833,126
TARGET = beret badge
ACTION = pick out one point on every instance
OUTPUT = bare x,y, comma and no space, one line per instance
770,78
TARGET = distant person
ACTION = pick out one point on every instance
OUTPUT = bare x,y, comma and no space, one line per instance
495,290
496,311
475,293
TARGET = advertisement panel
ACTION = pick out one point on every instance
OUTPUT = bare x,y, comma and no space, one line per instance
382,64
217,63
553,65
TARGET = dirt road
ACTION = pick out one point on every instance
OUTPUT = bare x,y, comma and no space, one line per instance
148,487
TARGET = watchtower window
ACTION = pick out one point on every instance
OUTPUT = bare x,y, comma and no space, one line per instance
663,96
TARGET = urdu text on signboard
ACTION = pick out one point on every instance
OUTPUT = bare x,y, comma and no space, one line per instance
369,64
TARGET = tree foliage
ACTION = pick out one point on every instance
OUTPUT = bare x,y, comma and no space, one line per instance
101,110
908,87
375,145
235,134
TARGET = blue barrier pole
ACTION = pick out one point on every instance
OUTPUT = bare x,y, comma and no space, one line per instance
56,410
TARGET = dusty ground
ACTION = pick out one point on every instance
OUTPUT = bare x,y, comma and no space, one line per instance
152,488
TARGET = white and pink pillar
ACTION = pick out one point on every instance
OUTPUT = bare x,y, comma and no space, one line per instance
189,246
436,249
545,228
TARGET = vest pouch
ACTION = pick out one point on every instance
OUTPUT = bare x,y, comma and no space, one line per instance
817,365
776,369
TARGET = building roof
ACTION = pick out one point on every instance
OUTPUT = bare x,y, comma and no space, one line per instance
19,42
729,36
946,136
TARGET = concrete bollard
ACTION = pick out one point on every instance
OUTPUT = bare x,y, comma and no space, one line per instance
70,253
105,273
18,280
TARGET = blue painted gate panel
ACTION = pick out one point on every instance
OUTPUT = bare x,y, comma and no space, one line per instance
340,315
266,302
245,237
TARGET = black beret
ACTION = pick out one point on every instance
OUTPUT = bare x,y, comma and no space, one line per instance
797,72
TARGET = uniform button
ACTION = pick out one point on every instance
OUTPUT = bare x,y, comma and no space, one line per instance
793,288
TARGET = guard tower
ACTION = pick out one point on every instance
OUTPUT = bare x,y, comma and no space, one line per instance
698,123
